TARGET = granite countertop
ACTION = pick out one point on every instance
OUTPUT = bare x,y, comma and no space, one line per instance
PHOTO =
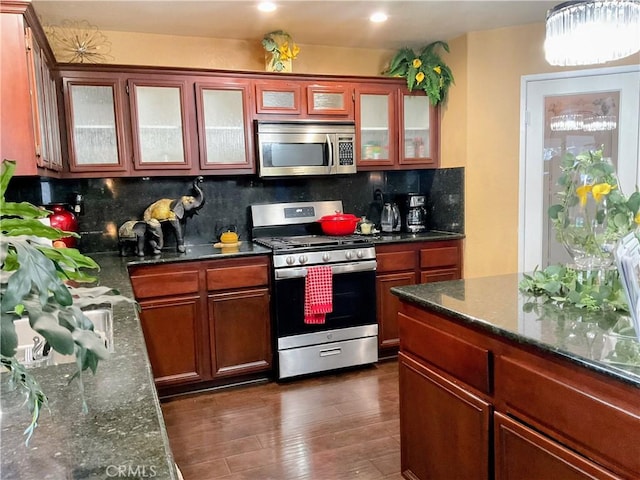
124,428
201,252
401,237
495,304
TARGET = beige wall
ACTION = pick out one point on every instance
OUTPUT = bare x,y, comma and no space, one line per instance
226,54
480,122
481,131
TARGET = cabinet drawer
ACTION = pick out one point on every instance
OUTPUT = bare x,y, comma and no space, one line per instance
453,355
393,261
237,277
573,412
439,257
164,284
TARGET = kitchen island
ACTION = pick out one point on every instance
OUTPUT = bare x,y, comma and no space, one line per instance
495,385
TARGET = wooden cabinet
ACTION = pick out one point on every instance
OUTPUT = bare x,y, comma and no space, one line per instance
433,407
419,130
522,453
239,318
304,99
205,323
162,133
531,414
405,264
224,130
142,122
376,132
29,114
96,134
395,129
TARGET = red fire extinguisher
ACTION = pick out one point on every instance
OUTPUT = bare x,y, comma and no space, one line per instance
63,219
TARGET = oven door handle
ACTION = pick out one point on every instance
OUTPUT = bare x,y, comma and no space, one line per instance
366,266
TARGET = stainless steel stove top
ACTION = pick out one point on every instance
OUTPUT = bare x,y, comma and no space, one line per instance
302,241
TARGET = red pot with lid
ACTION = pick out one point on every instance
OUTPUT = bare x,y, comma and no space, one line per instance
339,224
63,219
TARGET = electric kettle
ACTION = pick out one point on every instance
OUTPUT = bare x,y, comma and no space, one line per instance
390,218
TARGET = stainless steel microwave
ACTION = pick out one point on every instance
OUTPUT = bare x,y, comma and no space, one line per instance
301,148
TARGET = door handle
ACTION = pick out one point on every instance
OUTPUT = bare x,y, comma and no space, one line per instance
330,351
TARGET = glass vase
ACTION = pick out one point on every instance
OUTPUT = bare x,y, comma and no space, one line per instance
589,231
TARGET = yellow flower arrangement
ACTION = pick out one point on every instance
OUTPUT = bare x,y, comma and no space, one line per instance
281,47
424,70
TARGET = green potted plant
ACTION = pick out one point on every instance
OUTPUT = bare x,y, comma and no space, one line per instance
40,282
424,70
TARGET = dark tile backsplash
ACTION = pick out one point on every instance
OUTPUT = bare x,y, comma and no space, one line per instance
110,202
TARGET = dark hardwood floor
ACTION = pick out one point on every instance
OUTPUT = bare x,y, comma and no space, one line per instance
331,427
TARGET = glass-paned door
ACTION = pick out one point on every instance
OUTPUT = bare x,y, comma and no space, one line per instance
224,135
572,112
160,136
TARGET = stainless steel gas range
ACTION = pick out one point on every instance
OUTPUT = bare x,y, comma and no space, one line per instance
348,335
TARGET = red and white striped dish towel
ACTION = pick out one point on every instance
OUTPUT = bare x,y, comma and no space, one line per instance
318,294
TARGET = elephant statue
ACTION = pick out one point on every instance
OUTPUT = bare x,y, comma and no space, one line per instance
136,232
176,211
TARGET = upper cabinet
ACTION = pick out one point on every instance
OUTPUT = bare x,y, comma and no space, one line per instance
376,139
304,99
419,139
160,125
224,125
29,114
395,129
96,134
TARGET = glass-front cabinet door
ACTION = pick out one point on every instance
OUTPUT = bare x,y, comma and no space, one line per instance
161,130
376,132
418,130
223,126
95,122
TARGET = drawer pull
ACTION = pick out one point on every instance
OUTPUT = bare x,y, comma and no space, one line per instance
330,351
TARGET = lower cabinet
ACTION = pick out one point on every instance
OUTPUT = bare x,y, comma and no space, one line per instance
444,429
474,405
206,323
172,331
522,453
406,264
240,343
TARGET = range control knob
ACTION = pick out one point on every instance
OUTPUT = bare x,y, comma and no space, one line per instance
348,254
326,257
302,259
290,260
359,254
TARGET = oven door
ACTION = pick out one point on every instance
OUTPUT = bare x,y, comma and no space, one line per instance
284,154
354,300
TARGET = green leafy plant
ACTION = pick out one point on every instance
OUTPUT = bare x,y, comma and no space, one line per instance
563,286
40,282
281,47
425,70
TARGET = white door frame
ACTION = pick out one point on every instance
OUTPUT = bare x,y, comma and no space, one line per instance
525,259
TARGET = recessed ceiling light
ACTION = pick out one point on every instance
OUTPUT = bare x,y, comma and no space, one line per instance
378,17
267,6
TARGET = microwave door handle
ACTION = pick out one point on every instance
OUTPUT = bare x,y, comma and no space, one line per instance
331,163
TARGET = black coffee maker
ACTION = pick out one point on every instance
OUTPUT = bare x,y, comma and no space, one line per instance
413,212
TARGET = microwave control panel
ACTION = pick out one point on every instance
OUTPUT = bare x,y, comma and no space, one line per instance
345,151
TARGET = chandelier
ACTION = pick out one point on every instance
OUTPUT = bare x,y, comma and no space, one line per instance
592,31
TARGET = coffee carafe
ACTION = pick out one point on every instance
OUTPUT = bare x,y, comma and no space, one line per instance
390,218
414,214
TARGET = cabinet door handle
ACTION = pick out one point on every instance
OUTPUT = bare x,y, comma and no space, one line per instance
330,351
